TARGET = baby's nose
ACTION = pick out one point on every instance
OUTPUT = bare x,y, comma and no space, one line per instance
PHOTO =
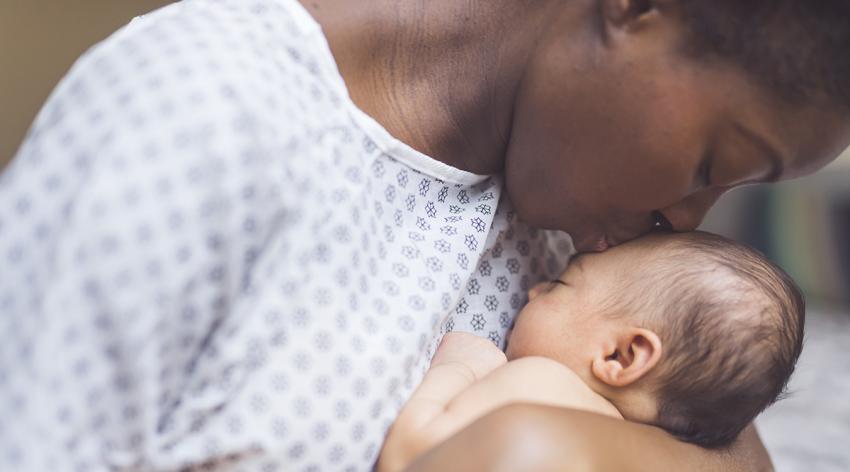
537,290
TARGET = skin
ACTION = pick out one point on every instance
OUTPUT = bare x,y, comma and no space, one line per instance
569,320
576,344
543,438
585,106
470,377
601,127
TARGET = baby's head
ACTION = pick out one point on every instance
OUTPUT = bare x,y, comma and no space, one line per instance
690,332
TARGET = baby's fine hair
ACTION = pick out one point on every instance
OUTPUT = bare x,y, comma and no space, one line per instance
731,325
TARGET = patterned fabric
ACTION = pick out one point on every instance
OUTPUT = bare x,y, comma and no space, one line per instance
211,258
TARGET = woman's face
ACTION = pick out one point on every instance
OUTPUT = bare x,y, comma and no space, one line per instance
637,130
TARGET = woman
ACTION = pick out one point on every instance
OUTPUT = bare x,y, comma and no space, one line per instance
227,245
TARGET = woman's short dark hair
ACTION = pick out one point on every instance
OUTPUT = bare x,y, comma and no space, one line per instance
799,48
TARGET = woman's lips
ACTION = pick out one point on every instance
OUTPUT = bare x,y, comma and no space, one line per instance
601,245
592,244
597,244
604,243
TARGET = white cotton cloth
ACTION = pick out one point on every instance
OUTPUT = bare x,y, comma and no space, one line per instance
209,257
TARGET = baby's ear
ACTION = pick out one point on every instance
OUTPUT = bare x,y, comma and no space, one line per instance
630,356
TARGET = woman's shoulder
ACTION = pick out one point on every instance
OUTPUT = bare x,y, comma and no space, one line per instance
207,55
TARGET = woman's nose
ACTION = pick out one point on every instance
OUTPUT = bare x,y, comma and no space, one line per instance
687,214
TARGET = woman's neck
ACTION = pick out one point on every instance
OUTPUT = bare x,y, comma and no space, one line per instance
440,75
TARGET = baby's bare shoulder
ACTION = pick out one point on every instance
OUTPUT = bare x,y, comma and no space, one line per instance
550,382
543,367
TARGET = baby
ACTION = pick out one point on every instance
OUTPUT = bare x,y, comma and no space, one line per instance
692,333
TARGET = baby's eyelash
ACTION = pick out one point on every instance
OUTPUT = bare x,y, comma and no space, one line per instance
559,281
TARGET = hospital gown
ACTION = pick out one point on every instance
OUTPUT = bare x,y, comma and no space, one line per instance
210,258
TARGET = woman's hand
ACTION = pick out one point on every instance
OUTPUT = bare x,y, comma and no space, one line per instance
542,438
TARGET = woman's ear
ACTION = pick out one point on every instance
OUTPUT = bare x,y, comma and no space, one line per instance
626,14
632,355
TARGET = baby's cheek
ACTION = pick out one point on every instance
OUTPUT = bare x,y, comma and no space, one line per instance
529,335
516,341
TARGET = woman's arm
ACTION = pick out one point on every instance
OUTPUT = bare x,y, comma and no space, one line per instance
534,437
425,422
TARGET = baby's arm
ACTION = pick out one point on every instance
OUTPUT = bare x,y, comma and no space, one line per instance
459,362
470,377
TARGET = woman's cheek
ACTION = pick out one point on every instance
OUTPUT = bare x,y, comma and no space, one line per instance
654,192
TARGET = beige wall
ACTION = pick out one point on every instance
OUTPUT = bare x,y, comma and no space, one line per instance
39,40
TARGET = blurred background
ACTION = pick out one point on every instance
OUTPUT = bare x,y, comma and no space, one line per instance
803,225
